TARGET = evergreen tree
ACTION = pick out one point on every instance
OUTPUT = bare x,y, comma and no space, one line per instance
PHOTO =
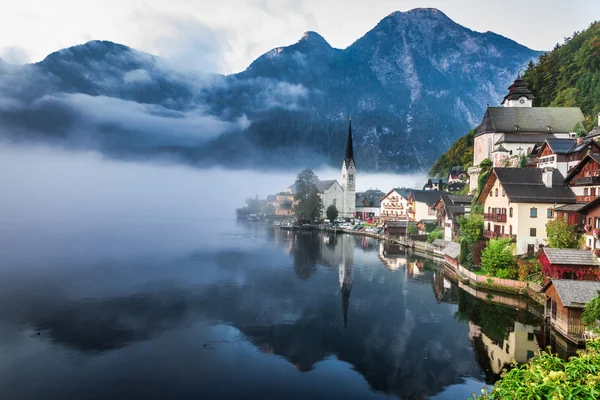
310,205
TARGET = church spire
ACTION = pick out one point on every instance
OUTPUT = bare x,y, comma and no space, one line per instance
349,147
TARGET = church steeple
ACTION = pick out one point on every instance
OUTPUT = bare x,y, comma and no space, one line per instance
518,94
349,147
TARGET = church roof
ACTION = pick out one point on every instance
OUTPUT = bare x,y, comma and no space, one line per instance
325,185
349,147
530,119
519,89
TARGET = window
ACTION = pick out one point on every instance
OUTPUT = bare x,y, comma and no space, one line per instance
530,354
334,201
503,192
490,211
510,229
510,214
351,178
530,336
496,192
585,191
532,232
593,192
590,221
533,212
550,213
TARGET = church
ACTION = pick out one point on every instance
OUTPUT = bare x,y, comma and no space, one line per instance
342,196
513,130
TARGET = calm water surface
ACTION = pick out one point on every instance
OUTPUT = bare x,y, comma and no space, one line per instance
240,310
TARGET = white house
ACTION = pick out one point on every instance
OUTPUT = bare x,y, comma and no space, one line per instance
395,204
423,204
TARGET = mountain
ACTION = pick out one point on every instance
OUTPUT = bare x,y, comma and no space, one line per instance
412,84
567,76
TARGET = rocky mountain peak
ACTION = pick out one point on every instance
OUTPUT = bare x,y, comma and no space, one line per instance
313,38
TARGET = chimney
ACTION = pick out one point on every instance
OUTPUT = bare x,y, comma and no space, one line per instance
547,176
579,140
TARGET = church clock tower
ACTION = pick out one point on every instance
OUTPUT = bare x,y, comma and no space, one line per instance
349,178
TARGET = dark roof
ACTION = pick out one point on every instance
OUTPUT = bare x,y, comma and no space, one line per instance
349,147
457,199
524,185
561,146
571,207
371,196
530,119
404,192
398,224
456,205
585,208
429,197
582,145
500,148
325,185
518,89
574,293
576,169
534,138
571,257
441,243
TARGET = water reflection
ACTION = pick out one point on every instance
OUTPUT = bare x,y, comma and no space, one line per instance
406,328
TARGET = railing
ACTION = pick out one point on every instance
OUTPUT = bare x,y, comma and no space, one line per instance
494,217
585,199
588,180
495,235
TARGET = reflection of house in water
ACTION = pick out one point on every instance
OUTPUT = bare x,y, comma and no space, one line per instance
392,255
445,291
415,270
520,345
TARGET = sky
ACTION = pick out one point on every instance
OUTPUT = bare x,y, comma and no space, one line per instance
226,36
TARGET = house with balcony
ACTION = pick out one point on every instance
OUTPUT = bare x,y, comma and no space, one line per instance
565,301
395,204
584,178
518,202
564,154
569,264
423,204
448,209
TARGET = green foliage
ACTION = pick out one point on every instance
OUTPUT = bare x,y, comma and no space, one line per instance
549,377
579,131
309,205
498,258
591,313
461,153
463,258
523,161
471,227
486,166
332,213
412,230
562,235
526,268
569,75
435,234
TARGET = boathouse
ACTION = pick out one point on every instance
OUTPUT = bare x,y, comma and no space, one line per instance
569,264
565,301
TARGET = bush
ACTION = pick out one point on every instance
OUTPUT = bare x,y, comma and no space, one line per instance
477,250
562,235
526,268
498,256
435,234
412,230
549,377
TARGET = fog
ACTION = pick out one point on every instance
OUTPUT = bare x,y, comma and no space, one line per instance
56,202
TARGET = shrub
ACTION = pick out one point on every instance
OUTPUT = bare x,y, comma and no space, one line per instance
435,234
562,235
526,268
498,256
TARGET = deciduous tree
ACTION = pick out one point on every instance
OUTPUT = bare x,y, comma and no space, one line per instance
562,235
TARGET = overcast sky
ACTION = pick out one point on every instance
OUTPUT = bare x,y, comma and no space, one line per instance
227,35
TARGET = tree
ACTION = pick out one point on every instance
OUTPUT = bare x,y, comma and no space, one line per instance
412,230
463,258
332,213
310,205
435,234
579,131
591,313
471,228
498,257
562,235
486,166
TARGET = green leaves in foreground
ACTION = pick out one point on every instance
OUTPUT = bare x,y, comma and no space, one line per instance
549,377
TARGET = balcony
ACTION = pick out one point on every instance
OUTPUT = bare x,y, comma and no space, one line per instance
494,217
587,180
497,235
585,199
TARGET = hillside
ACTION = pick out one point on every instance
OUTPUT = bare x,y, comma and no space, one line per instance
567,76
412,84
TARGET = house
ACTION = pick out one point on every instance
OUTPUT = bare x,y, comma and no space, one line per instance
518,202
284,202
591,214
448,209
435,184
457,174
451,253
572,214
368,204
507,133
424,223
331,193
395,204
584,178
564,154
565,301
422,204
396,228
569,264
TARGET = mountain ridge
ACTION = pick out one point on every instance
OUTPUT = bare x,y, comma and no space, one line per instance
413,84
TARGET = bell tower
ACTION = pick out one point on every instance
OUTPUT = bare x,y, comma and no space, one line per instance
349,178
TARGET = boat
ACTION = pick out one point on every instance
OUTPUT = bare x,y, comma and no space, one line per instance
286,225
276,223
253,217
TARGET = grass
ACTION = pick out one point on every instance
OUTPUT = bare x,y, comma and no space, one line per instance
482,271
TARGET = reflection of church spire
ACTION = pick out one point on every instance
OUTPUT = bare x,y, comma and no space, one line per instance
346,270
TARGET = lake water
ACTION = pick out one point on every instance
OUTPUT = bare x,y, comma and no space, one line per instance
240,310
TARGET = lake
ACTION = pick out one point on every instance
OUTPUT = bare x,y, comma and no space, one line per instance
236,309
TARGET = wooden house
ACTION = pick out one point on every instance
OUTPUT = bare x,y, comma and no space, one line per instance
564,154
569,264
584,178
565,301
